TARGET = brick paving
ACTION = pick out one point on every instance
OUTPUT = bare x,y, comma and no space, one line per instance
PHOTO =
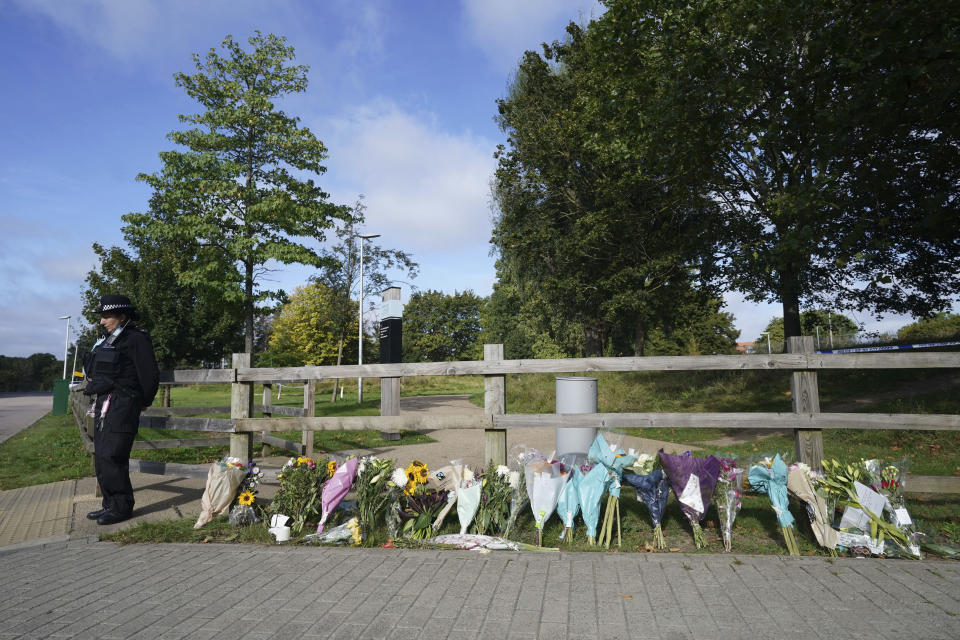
86,589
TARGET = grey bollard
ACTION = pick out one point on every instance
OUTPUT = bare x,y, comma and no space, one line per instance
576,395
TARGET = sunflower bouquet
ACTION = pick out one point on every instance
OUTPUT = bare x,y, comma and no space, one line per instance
422,503
243,512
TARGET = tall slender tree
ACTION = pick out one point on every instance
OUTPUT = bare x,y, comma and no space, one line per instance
235,189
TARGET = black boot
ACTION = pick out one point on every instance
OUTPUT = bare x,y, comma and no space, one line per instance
93,515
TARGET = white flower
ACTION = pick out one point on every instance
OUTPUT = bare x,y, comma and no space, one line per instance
362,465
376,478
399,477
514,479
467,474
503,471
290,462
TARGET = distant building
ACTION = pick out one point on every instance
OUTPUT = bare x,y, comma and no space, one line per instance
746,347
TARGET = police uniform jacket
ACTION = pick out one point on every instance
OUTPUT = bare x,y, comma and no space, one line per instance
127,370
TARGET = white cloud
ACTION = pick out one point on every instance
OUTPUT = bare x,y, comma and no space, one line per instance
425,188
504,29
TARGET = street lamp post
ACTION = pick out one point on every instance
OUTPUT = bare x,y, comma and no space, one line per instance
818,337
66,346
363,236
767,333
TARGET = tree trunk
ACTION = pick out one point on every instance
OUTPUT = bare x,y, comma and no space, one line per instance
639,337
248,309
791,306
336,381
595,337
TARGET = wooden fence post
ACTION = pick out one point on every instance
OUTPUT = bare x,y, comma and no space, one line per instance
390,404
806,399
494,403
309,411
267,403
241,406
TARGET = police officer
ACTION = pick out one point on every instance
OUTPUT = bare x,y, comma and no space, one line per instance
122,373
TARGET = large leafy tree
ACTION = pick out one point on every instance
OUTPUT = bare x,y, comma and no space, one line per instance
827,132
237,192
583,216
308,331
188,321
439,326
341,275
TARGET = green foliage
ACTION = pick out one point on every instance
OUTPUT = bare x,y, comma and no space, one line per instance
33,373
825,132
941,326
233,194
809,321
310,328
583,219
438,327
49,450
188,321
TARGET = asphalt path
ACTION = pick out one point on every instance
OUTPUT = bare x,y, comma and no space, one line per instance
20,410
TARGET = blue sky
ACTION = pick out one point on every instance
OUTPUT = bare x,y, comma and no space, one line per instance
402,94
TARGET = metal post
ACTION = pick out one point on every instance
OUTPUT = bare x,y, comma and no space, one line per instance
576,395
362,236
767,333
66,346
73,372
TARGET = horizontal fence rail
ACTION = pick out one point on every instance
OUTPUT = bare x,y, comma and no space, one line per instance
787,361
772,421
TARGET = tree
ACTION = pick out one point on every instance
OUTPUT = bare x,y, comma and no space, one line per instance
938,327
234,196
33,373
827,133
341,274
308,331
582,216
809,321
188,321
439,327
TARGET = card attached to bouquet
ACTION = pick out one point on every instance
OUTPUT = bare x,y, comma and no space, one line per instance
854,518
870,499
691,494
902,517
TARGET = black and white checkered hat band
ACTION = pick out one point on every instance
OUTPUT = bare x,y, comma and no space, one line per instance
111,307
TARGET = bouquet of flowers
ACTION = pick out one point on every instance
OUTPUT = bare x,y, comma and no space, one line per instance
864,506
727,497
494,507
568,504
545,480
336,488
395,486
469,492
242,513
223,480
770,477
347,534
422,506
301,483
520,456
692,480
615,460
592,486
889,480
802,484
373,490
652,489
477,542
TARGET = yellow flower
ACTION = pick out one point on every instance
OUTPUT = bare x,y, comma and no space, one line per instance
301,460
354,526
331,467
246,498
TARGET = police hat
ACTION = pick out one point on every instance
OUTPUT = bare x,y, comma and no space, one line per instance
115,303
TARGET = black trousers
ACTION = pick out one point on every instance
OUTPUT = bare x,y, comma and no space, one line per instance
112,441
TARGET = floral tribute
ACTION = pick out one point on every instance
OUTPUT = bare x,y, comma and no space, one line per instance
652,489
301,483
693,481
770,477
728,498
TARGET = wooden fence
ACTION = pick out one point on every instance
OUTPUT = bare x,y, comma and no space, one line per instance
805,419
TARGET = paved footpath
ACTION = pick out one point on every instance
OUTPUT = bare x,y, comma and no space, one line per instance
86,589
